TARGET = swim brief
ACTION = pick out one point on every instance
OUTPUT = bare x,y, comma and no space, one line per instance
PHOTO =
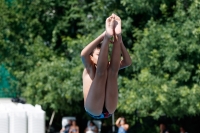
104,114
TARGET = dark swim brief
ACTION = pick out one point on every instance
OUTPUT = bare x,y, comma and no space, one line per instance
104,114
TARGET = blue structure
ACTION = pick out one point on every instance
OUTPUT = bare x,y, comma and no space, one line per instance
7,87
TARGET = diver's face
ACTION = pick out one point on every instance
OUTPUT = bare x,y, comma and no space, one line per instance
95,56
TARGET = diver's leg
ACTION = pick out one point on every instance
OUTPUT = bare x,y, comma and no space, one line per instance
111,85
96,94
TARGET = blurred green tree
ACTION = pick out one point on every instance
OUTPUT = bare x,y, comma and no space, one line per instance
165,76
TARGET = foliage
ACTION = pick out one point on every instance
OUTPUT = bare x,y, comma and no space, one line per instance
166,71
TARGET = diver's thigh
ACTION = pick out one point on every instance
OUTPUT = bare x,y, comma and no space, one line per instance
95,99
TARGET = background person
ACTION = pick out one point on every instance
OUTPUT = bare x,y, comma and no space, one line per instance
66,128
122,125
182,130
74,128
91,127
163,128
